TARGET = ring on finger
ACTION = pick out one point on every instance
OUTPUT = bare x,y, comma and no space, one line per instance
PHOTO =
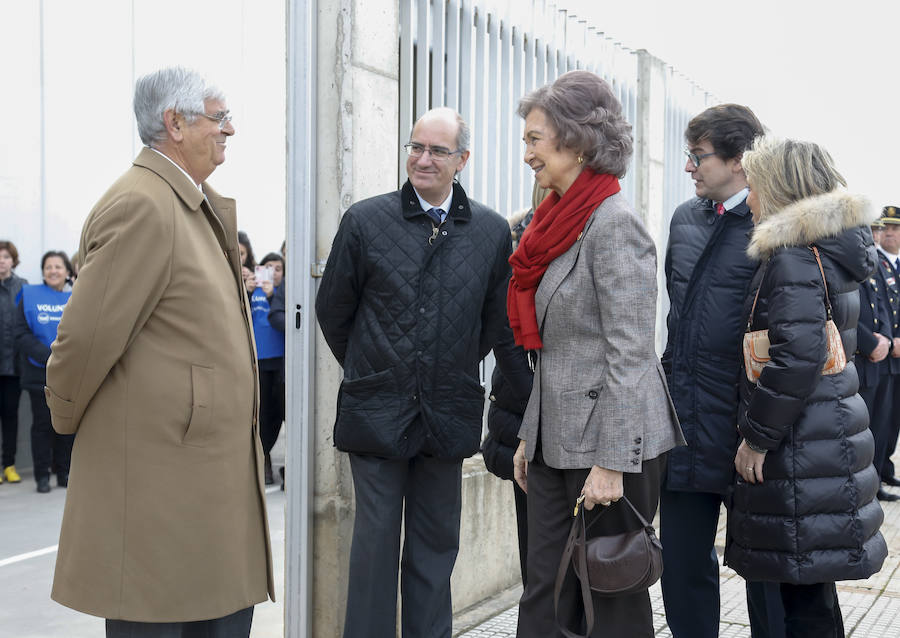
604,503
749,468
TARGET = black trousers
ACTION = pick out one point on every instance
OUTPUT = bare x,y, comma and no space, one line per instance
690,580
879,401
551,497
236,625
49,450
521,500
271,406
812,611
9,417
425,493
891,431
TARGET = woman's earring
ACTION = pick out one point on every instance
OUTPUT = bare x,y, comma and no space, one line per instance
580,159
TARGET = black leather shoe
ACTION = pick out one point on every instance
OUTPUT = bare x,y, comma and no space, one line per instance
892,481
886,496
43,485
62,479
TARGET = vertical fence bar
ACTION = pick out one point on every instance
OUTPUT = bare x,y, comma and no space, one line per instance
453,54
479,172
438,66
423,51
407,71
466,26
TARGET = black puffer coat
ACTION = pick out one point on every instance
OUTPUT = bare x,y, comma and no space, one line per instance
509,398
409,319
707,276
814,518
9,288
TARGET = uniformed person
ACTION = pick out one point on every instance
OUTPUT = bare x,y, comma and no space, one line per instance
874,337
888,277
877,231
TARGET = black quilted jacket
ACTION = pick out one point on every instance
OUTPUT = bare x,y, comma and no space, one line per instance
409,319
814,518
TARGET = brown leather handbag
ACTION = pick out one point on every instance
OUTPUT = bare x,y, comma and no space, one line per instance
756,342
608,565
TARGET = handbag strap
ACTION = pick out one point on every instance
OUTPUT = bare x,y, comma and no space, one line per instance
756,297
579,531
815,251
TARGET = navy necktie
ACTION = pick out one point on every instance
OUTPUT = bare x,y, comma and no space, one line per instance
435,214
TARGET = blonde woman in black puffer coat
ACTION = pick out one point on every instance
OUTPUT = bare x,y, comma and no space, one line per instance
803,511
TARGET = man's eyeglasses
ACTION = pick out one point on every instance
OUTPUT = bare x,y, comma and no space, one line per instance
222,117
438,153
695,159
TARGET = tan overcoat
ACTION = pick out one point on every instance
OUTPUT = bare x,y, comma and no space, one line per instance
154,369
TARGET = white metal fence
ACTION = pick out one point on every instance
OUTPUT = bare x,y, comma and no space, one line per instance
481,56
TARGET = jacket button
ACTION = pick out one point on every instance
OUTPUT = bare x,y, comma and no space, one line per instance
637,440
635,461
414,397
492,398
637,450
592,394
422,310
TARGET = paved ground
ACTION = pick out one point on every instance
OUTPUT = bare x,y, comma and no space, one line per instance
29,529
871,607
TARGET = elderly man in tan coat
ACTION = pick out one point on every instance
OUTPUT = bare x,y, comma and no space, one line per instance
154,369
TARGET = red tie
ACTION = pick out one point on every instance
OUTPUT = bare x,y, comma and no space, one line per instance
720,208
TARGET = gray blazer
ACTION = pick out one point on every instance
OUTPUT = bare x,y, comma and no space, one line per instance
600,394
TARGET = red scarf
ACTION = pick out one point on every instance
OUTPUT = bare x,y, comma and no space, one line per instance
556,225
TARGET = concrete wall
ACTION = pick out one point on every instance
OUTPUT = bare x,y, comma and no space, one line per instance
357,149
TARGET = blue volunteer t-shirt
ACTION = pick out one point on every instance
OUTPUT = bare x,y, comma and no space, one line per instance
43,308
269,342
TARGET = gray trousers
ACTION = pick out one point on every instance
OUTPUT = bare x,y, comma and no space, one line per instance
236,625
430,490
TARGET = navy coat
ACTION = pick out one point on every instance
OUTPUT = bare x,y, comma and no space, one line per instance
873,319
707,276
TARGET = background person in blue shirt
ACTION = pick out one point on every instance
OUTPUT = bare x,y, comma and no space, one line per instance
40,308
270,352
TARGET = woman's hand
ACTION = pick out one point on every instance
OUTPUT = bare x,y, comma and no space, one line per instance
268,288
520,467
602,486
749,464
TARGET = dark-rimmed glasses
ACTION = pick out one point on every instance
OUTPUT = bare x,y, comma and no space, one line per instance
695,159
438,153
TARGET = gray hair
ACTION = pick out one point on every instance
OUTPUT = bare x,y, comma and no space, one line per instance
176,88
462,135
587,118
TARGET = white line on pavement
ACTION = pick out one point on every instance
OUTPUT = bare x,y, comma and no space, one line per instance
20,557
49,550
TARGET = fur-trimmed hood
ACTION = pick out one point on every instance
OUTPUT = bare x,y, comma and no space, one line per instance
809,220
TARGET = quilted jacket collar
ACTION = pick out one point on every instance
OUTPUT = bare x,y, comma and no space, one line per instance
459,206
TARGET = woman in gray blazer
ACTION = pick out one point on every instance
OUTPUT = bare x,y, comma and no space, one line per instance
582,301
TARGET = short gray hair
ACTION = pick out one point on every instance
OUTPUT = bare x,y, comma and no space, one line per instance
587,118
176,88
462,135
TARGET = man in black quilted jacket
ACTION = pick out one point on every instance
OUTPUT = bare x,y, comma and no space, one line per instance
413,297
